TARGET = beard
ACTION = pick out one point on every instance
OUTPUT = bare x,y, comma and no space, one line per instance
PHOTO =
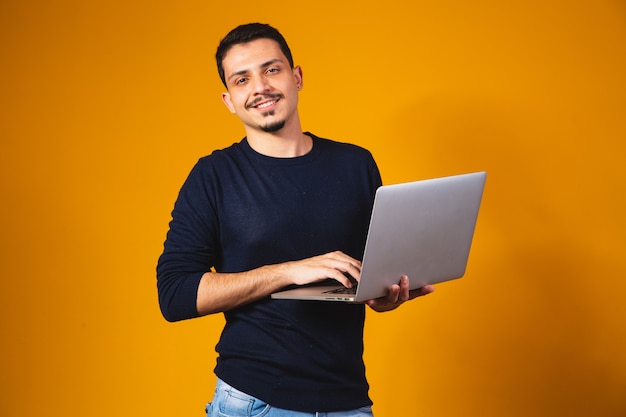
274,126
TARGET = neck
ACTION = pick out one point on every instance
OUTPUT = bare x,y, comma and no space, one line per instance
286,143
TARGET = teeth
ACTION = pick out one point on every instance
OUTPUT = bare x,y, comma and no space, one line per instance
264,105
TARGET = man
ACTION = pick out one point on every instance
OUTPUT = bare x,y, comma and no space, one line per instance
279,208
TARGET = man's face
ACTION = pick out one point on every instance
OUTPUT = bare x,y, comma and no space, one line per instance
262,86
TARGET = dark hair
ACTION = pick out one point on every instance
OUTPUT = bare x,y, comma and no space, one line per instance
248,33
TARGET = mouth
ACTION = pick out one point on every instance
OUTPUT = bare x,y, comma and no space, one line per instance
265,103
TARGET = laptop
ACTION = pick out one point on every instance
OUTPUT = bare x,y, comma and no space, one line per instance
423,229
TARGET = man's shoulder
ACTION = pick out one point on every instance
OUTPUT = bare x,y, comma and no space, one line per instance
336,145
219,155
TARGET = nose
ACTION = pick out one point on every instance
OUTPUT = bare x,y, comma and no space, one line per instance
260,85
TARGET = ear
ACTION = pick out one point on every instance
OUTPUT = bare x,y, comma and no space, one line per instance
297,74
227,102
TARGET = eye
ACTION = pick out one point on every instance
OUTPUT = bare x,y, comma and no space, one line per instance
272,70
240,81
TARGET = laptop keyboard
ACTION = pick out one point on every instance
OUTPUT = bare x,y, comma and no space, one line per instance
342,290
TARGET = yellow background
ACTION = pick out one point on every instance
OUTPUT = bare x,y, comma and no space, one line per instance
105,106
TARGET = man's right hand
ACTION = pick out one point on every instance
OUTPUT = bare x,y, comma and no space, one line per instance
219,292
333,265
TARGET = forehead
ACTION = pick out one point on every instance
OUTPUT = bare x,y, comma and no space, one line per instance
245,56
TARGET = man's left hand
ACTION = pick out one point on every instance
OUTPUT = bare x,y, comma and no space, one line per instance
398,294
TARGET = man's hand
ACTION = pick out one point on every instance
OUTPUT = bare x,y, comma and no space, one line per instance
224,291
319,268
398,294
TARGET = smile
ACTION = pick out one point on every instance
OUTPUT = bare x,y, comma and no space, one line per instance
266,104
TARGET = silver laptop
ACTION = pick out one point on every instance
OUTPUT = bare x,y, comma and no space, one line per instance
423,229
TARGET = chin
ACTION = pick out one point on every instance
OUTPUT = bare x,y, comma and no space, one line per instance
273,127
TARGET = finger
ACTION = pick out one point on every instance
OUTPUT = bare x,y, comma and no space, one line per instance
403,294
340,256
426,289
393,294
354,270
340,277
345,264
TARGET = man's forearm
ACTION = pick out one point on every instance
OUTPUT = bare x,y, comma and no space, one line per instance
219,292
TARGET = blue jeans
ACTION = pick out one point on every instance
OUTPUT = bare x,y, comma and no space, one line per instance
230,402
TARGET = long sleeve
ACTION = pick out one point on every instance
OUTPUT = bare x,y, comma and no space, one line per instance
189,250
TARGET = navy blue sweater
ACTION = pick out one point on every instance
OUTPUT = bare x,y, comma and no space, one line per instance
239,210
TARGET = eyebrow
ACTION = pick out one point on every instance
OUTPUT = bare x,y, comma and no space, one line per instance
263,65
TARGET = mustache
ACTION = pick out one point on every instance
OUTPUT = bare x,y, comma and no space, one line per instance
264,97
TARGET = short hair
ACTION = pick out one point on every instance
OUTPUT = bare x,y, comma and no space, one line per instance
248,33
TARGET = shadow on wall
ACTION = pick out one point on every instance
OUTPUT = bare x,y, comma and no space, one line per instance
532,318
